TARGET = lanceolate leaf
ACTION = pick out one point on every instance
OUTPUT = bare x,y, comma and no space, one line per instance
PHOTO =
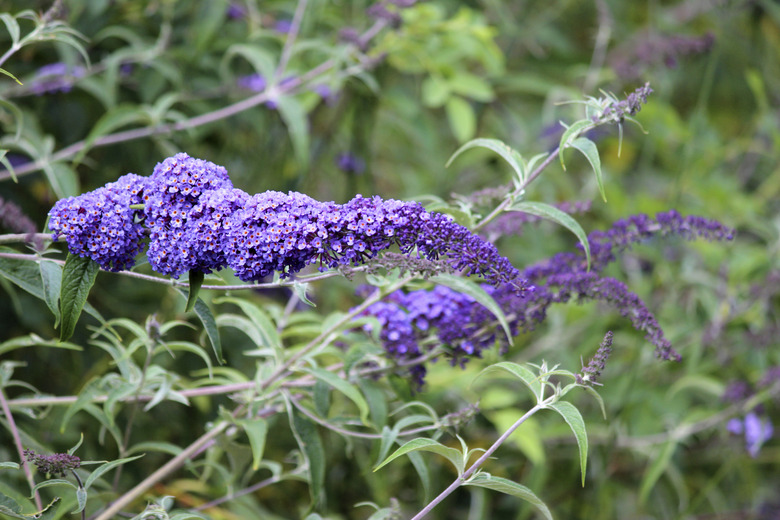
589,150
574,419
507,153
196,280
27,275
425,444
345,388
257,430
309,442
78,276
530,379
549,212
295,119
510,488
96,474
209,324
51,277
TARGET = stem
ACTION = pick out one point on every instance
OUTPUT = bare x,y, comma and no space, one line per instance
460,480
171,466
81,486
19,448
504,203
292,35
177,283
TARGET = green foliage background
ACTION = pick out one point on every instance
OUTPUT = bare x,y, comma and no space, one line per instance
451,71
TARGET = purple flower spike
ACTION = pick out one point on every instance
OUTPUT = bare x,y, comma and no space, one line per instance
101,225
56,465
176,187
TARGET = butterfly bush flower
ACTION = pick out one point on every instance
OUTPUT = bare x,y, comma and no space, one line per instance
406,319
56,465
176,187
285,232
564,277
596,365
55,77
757,431
101,225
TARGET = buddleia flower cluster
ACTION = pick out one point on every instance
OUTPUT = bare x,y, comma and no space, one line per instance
102,224
562,278
195,220
56,464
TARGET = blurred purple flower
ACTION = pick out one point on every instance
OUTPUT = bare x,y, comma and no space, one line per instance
15,220
254,82
349,163
236,10
757,431
55,77
283,26
631,60
326,93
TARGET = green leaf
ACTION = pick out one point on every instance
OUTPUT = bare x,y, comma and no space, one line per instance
260,320
597,397
300,291
12,465
508,154
51,278
27,275
462,120
503,485
472,289
78,276
574,419
81,498
656,469
3,71
424,444
571,133
260,60
422,471
54,482
540,209
345,388
257,430
209,324
471,86
297,122
33,340
309,442
12,25
196,281
528,378
589,150
435,91
108,466
3,159
115,118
